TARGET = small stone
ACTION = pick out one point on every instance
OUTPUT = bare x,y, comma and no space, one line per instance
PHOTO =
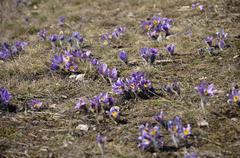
234,119
236,56
82,127
64,96
130,14
52,106
202,123
80,77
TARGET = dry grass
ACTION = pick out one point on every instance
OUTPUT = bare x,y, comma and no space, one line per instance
53,133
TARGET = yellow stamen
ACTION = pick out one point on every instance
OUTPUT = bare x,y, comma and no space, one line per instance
206,92
186,132
235,99
153,132
114,114
105,42
71,68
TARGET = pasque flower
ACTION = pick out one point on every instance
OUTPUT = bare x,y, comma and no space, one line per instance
119,87
56,61
123,56
5,96
61,21
36,105
205,89
114,112
154,26
149,54
150,137
170,48
7,50
234,96
81,104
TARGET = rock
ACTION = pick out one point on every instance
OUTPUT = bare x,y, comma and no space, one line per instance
82,127
234,119
202,123
80,77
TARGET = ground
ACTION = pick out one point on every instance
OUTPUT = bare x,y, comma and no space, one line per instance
53,133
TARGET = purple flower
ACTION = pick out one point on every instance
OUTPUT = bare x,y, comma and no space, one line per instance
205,89
61,21
149,54
100,139
112,73
160,117
78,36
56,61
187,131
198,6
5,96
209,41
102,69
191,155
105,39
201,7
61,37
221,34
94,62
36,105
42,34
53,38
106,99
5,53
119,87
95,103
71,67
123,56
146,25
234,96
170,48
81,104
150,137
114,112
221,44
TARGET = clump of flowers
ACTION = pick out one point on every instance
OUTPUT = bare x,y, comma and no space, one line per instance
8,51
205,90
36,105
5,97
154,26
175,127
107,38
135,85
173,88
70,60
198,6
150,137
73,41
217,42
96,104
149,54
234,96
